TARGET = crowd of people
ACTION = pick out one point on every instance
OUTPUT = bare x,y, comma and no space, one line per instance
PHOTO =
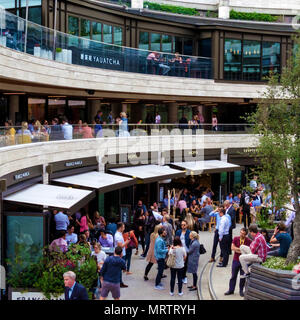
61,128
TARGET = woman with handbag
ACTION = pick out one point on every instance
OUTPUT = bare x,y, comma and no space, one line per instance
133,243
176,264
193,262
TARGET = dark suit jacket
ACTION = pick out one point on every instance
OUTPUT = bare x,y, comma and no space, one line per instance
232,213
79,293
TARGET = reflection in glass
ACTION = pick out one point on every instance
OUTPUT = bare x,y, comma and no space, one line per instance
232,59
118,36
188,47
97,31
270,58
205,48
251,60
155,41
144,40
36,108
73,26
24,238
178,45
84,28
56,108
166,43
107,33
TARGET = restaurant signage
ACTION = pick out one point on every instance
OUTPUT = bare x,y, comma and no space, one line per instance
22,175
99,58
73,163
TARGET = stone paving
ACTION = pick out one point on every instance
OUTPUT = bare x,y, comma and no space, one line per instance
139,289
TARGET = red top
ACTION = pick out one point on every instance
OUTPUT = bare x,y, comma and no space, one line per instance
237,242
259,246
132,236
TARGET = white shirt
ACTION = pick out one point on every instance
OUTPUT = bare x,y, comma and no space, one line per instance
68,131
180,253
101,256
157,119
119,238
223,227
71,238
182,238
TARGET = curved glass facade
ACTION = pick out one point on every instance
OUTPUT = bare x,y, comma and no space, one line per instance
45,43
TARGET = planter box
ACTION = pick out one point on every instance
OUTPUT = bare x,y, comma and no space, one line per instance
3,41
270,284
29,294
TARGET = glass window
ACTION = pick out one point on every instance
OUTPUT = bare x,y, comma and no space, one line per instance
166,41
205,48
144,40
36,108
270,58
118,36
73,26
232,59
97,31
155,41
107,33
251,60
31,3
25,238
177,44
56,108
188,47
85,28
8,4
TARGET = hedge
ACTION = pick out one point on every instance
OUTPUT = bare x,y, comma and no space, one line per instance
170,8
252,16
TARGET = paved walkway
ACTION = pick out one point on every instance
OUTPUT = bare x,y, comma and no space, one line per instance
139,289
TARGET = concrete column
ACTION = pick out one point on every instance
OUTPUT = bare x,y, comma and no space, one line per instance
137,4
224,155
45,174
172,112
13,107
93,107
136,113
224,9
124,107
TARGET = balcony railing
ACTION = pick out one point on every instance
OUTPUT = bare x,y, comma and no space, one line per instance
20,135
53,45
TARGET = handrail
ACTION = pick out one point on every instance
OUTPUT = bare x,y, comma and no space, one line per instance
42,42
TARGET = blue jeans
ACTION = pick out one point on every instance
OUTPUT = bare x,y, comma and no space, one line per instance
161,267
147,242
179,273
128,258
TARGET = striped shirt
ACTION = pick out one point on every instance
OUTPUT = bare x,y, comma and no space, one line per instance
259,246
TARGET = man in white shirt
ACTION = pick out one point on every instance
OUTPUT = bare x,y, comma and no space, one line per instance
119,242
224,237
67,129
157,118
71,237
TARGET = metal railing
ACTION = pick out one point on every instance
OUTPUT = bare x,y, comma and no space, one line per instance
14,135
53,45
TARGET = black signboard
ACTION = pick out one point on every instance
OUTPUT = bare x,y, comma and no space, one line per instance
98,58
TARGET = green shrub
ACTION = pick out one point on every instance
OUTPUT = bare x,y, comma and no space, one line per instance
278,263
170,8
252,16
58,49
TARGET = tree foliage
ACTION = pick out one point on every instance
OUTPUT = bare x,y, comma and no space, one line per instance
277,123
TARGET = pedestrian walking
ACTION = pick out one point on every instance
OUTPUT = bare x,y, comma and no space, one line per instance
193,262
73,289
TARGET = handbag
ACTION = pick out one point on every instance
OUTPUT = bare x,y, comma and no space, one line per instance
202,250
131,244
171,260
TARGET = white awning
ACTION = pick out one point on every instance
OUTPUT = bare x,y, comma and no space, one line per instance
101,181
206,166
150,173
52,197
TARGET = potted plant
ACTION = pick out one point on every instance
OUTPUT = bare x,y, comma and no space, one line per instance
45,275
58,54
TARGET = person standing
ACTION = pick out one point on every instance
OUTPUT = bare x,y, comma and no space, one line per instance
180,255
150,224
245,207
184,235
236,265
157,118
150,256
231,212
67,129
139,220
214,122
73,289
224,238
119,242
110,274
169,229
215,214
61,222
133,243
194,254
160,252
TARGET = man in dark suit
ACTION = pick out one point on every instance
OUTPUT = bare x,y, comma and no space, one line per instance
231,212
74,290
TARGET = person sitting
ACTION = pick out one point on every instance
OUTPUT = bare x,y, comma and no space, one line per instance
151,63
283,238
230,197
71,237
194,209
59,244
106,239
205,211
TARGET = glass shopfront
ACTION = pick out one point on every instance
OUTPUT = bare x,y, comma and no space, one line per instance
95,30
18,7
250,60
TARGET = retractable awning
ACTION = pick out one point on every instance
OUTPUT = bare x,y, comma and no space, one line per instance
206,166
50,196
103,182
149,173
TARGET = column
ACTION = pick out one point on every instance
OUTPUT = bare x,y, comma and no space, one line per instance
116,109
13,107
124,107
93,107
172,112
